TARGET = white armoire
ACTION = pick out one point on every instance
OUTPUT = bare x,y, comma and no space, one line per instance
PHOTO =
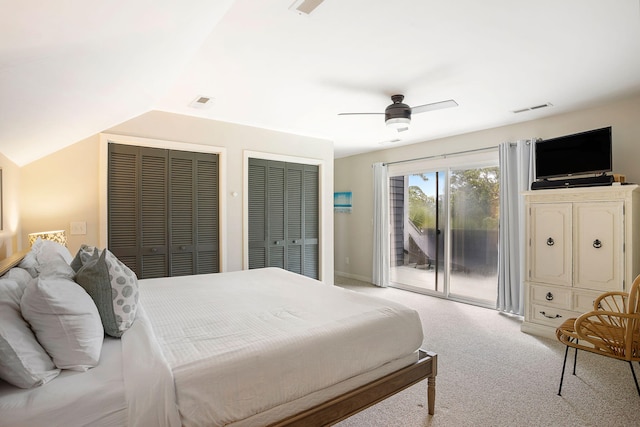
580,243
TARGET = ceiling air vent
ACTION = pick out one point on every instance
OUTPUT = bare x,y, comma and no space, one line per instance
535,107
305,6
202,102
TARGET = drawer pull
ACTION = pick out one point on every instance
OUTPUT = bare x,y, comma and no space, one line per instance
597,244
550,242
549,296
550,317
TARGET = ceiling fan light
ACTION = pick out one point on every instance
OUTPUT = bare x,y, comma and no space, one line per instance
398,122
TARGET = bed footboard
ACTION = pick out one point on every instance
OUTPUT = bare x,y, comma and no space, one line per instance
350,403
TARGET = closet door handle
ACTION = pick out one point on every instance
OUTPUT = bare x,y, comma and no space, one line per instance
597,244
550,242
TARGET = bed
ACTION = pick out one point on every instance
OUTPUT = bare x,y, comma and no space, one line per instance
257,347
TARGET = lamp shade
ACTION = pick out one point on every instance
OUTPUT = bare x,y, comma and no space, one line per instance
58,236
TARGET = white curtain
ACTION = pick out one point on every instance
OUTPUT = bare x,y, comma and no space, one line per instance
380,273
516,176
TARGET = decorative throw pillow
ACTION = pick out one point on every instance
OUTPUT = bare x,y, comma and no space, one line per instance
114,289
82,256
65,320
23,361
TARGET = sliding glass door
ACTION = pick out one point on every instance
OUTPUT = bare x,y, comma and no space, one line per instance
417,223
444,229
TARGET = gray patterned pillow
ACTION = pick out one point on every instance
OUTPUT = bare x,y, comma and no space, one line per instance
82,256
114,289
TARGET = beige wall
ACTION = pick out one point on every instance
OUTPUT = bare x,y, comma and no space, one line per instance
59,189
353,232
11,226
65,186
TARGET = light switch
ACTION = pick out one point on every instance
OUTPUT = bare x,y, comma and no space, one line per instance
79,227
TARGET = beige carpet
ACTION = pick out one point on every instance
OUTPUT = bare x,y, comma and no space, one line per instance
491,374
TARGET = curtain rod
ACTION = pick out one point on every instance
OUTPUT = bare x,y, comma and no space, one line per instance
442,155
476,150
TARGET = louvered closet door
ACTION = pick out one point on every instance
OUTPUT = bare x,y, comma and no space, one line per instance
266,214
182,213
295,217
257,198
207,214
137,200
193,216
311,221
283,216
163,210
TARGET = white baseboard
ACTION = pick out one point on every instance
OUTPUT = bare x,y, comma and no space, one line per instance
353,276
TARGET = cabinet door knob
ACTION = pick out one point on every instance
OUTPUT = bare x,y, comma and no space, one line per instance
182,248
550,242
549,296
597,244
154,250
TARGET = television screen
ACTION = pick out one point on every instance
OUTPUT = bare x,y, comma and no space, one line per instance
581,153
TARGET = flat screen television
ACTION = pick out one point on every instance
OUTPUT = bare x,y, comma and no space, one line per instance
578,154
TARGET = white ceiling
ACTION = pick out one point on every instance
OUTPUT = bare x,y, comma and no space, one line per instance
69,70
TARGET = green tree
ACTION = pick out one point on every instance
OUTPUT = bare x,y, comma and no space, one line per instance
475,198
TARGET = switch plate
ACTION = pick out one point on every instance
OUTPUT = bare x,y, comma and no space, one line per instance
78,227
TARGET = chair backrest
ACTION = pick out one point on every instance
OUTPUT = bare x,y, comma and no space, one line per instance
633,328
634,296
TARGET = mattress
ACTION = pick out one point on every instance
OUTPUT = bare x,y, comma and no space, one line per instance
254,346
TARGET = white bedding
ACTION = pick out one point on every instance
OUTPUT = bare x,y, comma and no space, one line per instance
69,399
243,343
241,348
131,386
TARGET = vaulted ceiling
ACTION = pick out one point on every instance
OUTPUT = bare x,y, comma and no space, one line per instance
69,70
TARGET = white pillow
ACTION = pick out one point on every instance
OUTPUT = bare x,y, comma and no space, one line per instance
56,268
19,275
65,320
43,252
23,361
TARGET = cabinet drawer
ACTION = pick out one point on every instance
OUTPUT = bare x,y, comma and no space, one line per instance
550,316
551,296
583,302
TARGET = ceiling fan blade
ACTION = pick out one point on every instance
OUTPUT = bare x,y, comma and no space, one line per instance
434,106
355,114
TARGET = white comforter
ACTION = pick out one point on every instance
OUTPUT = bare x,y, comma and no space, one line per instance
241,348
242,343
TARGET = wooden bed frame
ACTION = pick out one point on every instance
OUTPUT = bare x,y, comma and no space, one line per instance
352,402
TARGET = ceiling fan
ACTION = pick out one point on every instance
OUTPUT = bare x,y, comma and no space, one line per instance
398,115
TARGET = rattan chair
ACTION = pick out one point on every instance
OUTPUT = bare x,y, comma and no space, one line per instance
612,329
